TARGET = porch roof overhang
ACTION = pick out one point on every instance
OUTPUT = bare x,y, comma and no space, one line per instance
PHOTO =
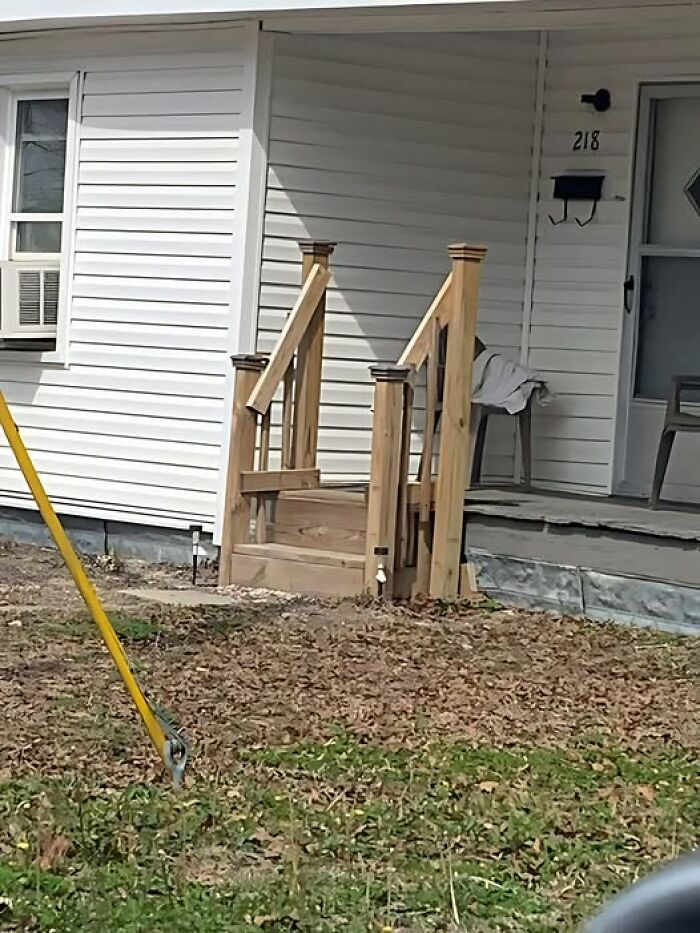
357,16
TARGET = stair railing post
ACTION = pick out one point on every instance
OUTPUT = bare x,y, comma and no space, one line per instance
307,389
455,439
241,457
385,475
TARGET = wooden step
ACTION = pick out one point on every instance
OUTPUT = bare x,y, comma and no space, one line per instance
297,570
332,520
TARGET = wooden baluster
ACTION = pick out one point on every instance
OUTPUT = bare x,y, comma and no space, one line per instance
263,465
425,546
384,477
287,413
307,395
402,530
455,440
236,524
264,452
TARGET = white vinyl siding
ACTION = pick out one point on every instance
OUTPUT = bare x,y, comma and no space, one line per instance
395,147
133,426
578,309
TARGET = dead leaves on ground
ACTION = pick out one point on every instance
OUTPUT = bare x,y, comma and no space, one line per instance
400,677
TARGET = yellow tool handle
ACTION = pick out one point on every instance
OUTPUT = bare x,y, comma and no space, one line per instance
87,591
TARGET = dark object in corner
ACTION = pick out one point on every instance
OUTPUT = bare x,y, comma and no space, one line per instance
667,901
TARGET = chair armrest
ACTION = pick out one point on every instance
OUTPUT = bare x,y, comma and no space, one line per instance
678,385
687,382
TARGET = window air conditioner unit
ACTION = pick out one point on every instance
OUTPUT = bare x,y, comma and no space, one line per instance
28,299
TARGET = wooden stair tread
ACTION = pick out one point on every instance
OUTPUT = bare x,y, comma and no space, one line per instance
302,555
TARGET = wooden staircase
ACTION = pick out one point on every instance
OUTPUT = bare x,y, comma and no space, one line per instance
315,544
393,537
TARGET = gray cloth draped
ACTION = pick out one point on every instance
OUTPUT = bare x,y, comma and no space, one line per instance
499,383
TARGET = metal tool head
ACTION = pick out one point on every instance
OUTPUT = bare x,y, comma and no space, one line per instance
175,756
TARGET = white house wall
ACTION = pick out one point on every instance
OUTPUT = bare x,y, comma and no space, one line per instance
133,425
395,147
578,310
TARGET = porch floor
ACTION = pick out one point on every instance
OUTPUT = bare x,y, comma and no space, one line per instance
615,513
604,558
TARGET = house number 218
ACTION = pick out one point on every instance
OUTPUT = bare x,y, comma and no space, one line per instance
585,140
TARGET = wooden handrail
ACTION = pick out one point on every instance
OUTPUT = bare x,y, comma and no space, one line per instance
292,334
307,377
421,343
423,545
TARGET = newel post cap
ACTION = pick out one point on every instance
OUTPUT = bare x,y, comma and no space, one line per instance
316,247
390,373
253,362
466,252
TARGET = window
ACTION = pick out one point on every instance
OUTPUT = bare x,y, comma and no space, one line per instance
33,217
39,177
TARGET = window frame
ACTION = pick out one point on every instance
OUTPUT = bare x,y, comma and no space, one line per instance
49,348
17,217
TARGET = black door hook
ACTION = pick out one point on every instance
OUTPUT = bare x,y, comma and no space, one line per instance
563,219
584,223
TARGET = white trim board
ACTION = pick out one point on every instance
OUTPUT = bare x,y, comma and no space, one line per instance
247,254
492,17
28,11
345,15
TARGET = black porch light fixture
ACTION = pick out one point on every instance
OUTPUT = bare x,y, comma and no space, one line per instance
601,100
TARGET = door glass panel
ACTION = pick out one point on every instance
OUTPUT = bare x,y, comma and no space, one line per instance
669,324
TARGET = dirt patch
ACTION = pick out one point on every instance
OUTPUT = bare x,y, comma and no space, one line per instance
268,671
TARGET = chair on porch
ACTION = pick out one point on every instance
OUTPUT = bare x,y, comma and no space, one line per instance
480,418
675,420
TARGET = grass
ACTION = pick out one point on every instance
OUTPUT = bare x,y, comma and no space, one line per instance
162,626
349,836
131,630
335,787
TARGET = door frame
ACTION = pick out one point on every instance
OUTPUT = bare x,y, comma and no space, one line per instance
636,251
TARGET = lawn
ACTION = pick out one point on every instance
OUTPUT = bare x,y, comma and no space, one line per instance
354,768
